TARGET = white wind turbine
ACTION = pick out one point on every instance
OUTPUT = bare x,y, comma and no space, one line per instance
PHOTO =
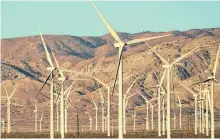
134,121
168,67
163,111
147,103
2,126
108,87
8,99
207,104
174,121
180,115
52,68
57,108
90,122
125,106
40,121
102,108
196,101
125,102
96,115
152,116
121,45
105,122
35,113
159,88
67,104
212,79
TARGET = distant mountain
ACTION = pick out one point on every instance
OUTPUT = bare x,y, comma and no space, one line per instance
23,61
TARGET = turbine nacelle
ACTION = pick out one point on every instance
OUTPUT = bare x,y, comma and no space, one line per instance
119,44
50,68
211,77
61,78
167,66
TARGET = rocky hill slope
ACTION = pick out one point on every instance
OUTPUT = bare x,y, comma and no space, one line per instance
23,61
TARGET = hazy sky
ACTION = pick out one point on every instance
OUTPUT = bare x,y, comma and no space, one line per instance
80,19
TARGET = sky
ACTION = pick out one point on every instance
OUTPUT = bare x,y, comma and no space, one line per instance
20,19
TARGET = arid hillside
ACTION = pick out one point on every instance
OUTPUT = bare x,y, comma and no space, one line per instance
23,62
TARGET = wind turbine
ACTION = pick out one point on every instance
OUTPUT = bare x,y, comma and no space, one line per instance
40,121
212,79
152,116
120,45
8,98
196,101
168,67
163,111
108,87
105,121
125,103
147,103
90,122
102,108
96,115
180,115
159,88
35,113
3,126
134,121
174,121
57,108
51,70
67,104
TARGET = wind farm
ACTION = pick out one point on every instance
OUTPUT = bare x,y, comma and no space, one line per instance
119,85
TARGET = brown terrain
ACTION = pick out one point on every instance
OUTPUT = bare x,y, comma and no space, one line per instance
23,62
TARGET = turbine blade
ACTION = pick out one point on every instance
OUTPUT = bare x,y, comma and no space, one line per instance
78,79
131,95
151,87
216,62
143,96
100,92
43,84
6,91
162,78
47,53
113,33
94,102
71,71
184,55
70,88
178,98
60,72
200,82
188,89
128,90
161,58
98,80
156,77
116,75
13,92
146,39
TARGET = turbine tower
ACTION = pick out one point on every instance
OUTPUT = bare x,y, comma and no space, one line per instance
96,115
120,45
168,67
8,98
